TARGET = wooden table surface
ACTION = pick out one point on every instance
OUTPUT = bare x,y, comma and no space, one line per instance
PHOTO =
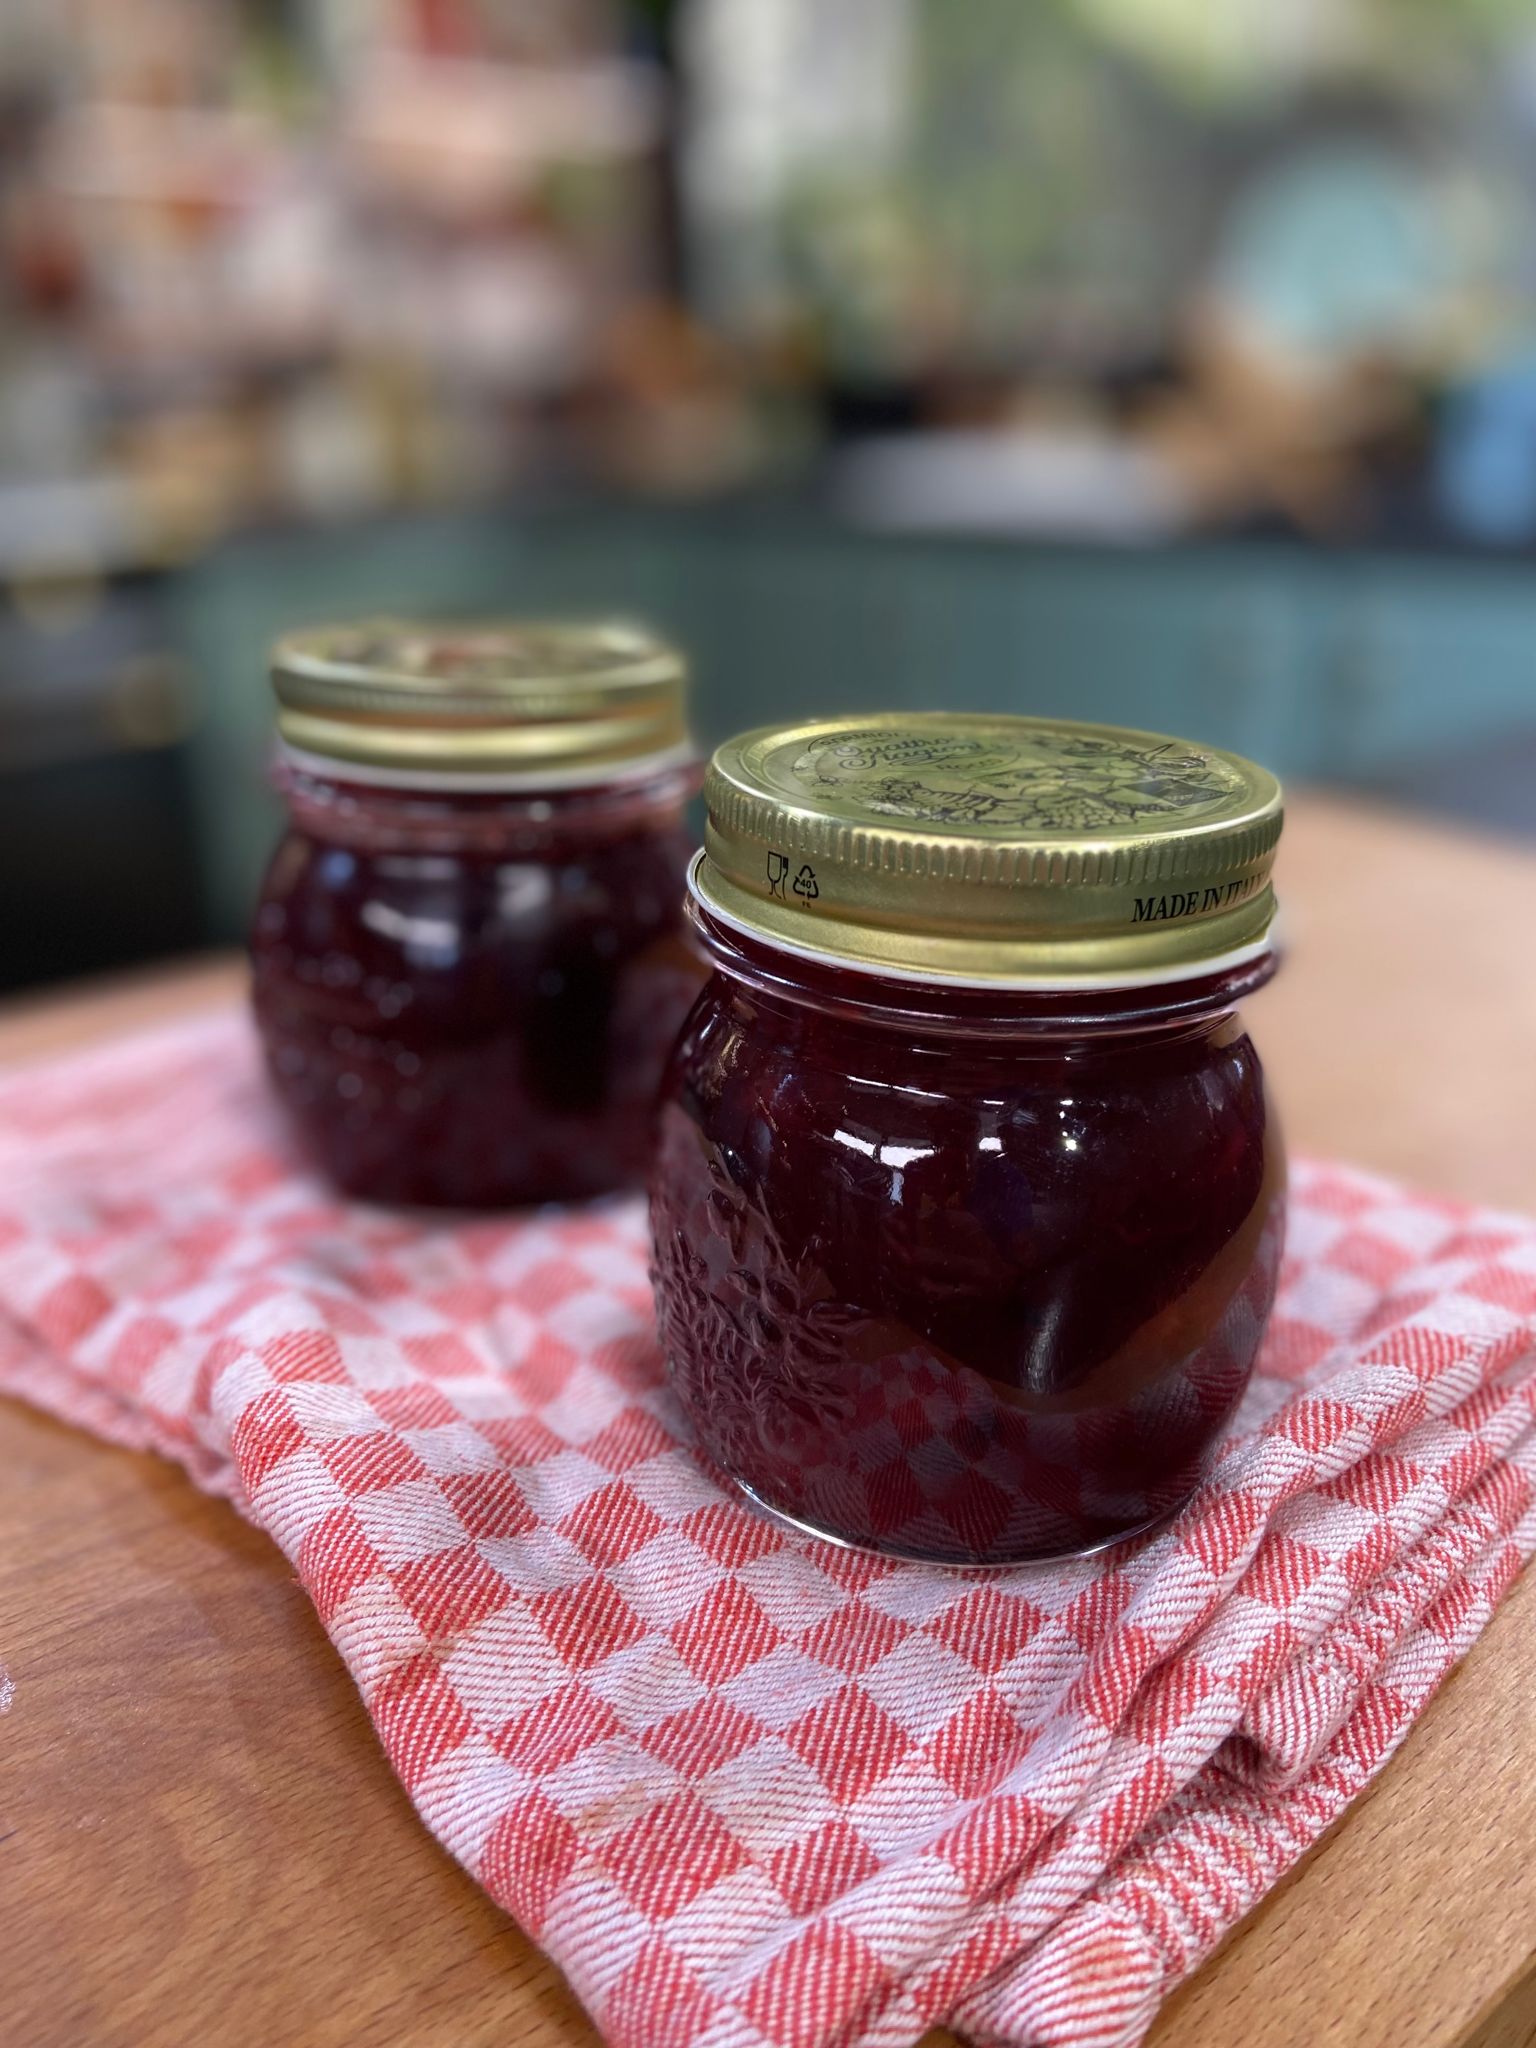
201,1843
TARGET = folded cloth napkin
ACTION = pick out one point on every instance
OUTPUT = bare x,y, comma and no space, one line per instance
749,1790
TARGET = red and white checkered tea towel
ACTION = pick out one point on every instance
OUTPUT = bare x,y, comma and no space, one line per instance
751,1791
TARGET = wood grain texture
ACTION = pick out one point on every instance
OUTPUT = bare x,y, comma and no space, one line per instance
1401,1033
1414,1924
200,1840
38,1027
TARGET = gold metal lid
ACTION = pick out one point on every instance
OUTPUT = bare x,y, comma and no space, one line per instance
991,849
500,698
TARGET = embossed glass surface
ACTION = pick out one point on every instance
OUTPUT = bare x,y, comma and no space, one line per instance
968,1275
467,999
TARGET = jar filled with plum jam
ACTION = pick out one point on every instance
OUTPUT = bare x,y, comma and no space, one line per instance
968,1199
469,955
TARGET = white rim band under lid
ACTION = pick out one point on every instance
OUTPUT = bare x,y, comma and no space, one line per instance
523,782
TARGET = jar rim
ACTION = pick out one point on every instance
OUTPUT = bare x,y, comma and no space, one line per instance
531,782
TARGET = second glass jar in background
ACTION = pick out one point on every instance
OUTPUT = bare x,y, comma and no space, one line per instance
969,1201
469,957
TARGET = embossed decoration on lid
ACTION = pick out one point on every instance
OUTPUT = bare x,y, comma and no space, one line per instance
992,848
516,697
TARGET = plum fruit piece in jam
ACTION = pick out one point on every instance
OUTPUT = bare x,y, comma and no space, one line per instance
468,1000
957,1275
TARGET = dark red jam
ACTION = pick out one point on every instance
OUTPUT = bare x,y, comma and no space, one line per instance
972,1276
468,998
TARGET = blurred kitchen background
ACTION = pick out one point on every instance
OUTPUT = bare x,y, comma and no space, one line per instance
1150,360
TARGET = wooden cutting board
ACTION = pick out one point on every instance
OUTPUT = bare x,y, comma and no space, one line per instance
200,1841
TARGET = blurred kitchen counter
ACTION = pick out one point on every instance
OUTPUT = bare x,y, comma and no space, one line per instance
199,1840
1378,670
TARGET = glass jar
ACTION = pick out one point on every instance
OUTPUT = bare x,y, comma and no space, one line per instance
968,1201
469,954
